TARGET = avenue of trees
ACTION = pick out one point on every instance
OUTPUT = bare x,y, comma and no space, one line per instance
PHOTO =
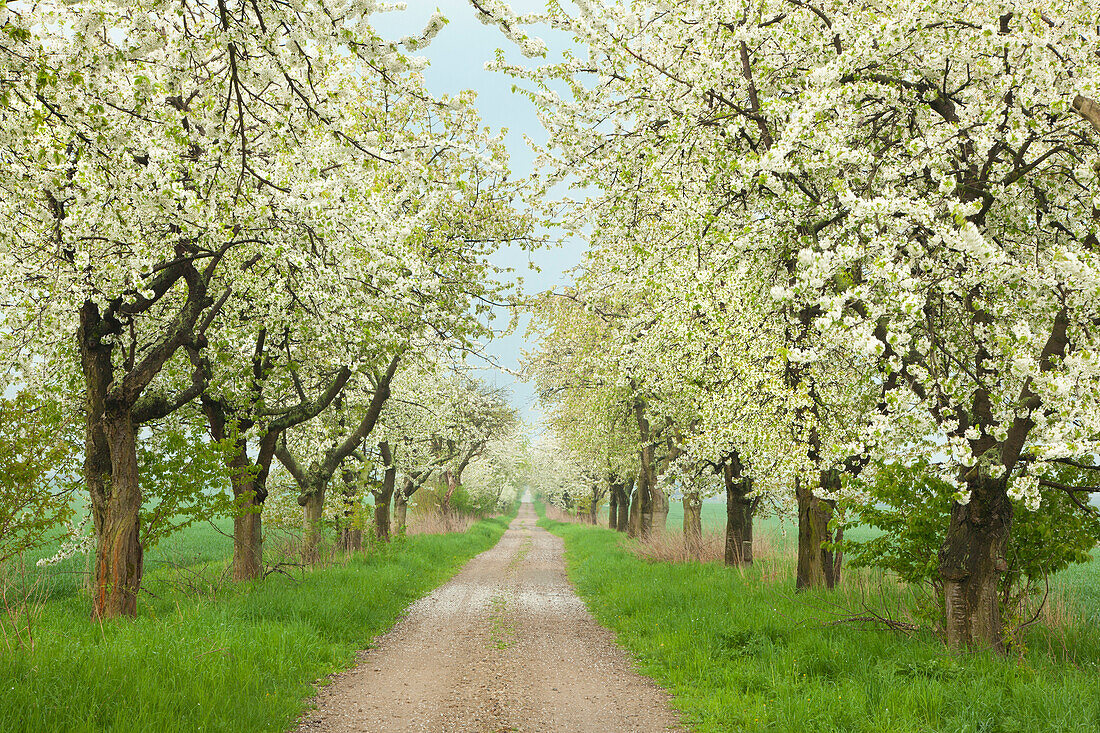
236,236
828,237
843,261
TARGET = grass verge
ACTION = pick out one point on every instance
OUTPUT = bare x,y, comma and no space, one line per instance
244,662
740,653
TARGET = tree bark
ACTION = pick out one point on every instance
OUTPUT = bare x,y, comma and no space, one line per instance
400,511
693,524
594,503
658,501
382,498
739,514
639,497
816,562
382,517
95,357
119,553
451,483
613,506
350,536
313,503
971,563
652,499
351,540
247,523
625,490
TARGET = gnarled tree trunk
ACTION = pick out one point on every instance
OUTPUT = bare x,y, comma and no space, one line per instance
382,497
95,358
816,563
594,503
658,514
612,507
400,511
119,553
450,481
971,563
348,532
313,502
248,563
625,490
693,523
739,514
638,501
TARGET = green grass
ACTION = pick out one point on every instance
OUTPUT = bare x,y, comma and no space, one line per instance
742,654
244,659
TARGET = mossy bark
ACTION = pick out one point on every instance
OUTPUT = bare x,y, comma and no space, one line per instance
972,562
817,566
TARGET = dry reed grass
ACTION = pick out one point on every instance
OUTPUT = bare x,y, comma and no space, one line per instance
434,521
558,514
767,547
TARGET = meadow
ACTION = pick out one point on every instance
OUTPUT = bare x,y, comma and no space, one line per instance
740,651
1074,591
204,653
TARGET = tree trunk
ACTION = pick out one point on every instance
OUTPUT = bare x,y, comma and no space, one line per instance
693,524
382,505
739,514
613,507
639,496
658,499
651,499
594,505
658,514
649,496
624,505
816,563
451,482
119,554
382,518
971,563
351,540
349,530
95,358
247,528
314,504
400,512
248,563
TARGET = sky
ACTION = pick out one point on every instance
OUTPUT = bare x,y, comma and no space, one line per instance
457,59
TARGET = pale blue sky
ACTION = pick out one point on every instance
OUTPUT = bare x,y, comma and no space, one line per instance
458,55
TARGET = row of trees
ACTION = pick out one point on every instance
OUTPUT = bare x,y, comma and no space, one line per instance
826,235
243,230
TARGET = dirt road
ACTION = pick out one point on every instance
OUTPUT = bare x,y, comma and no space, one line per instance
506,645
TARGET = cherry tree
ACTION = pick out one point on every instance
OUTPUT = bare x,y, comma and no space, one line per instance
162,157
918,183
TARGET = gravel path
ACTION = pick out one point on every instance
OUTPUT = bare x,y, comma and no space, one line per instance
506,645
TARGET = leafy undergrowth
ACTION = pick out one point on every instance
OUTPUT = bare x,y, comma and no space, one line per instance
742,654
243,661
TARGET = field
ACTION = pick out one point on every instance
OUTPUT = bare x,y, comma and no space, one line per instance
204,654
1078,587
739,650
